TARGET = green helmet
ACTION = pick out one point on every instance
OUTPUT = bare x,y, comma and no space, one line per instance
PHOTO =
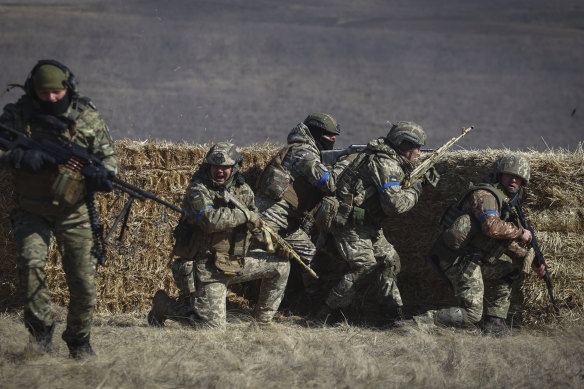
406,132
224,154
323,121
514,164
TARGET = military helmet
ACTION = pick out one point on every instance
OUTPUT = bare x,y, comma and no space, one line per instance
224,154
406,132
323,121
514,164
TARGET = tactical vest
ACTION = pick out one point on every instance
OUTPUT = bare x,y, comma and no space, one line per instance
356,188
277,183
53,188
227,248
461,233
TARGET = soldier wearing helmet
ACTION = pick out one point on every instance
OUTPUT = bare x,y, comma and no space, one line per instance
483,242
212,246
369,193
295,180
51,200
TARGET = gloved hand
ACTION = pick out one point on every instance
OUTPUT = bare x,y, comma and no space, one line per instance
98,179
432,176
284,254
30,160
417,186
254,221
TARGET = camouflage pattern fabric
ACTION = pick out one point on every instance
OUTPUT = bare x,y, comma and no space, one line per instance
501,273
376,186
36,218
218,221
209,301
303,163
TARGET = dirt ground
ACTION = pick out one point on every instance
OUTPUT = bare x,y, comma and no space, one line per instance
249,71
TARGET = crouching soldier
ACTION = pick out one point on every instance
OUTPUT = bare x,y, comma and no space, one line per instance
212,241
482,240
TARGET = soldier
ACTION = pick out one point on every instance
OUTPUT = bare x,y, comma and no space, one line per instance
52,199
295,180
212,241
482,240
368,193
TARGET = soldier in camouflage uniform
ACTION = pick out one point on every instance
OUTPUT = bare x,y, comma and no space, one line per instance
212,241
368,193
51,200
482,240
295,180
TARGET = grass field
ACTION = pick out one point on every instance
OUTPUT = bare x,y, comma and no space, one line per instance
293,355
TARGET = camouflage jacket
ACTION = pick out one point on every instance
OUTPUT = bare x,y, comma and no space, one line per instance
373,181
86,128
220,226
496,218
310,179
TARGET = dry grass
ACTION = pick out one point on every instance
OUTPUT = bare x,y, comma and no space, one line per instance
131,354
139,264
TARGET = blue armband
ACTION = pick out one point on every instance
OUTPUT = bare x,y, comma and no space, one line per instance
486,213
200,213
393,182
322,180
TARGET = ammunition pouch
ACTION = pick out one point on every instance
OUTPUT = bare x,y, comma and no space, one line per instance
184,276
332,214
230,265
186,244
274,182
67,189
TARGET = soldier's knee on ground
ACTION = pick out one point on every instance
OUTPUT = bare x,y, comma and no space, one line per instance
454,316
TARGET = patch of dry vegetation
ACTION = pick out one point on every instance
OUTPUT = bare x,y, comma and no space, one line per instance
131,354
139,264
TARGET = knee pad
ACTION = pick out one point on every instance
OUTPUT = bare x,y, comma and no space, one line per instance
452,317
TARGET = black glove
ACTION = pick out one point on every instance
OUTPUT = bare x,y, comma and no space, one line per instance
30,160
432,177
98,179
417,186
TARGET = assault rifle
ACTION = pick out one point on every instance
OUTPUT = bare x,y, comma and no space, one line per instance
272,234
429,162
78,159
330,157
539,259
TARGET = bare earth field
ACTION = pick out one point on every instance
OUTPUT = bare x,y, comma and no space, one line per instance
247,71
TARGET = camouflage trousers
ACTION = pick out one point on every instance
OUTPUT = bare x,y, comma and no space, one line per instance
368,254
209,301
469,277
72,230
277,216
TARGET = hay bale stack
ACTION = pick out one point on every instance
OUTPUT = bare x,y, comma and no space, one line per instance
139,264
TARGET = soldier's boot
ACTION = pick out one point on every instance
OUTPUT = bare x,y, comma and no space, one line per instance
41,336
391,314
165,307
496,327
451,317
81,349
160,309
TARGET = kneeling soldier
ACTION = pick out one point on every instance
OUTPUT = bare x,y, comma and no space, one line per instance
212,241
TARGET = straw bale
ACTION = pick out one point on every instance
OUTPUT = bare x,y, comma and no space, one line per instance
139,264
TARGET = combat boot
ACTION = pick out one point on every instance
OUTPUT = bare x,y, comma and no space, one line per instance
41,336
159,312
496,327
81,349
